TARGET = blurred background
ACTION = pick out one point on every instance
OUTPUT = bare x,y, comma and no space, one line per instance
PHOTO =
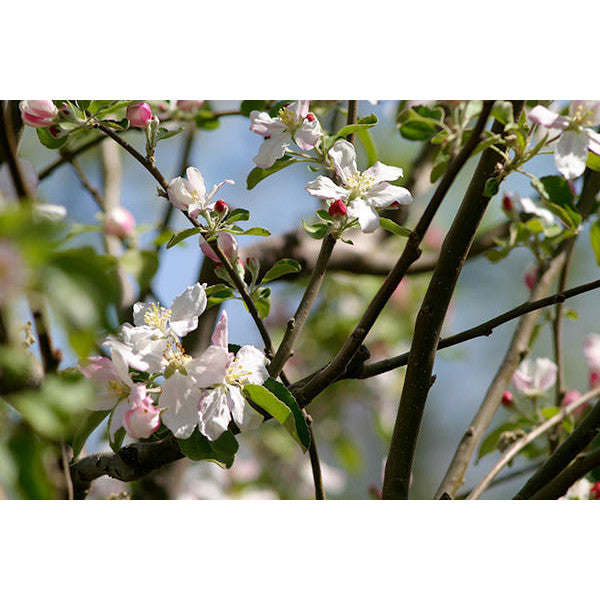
352,420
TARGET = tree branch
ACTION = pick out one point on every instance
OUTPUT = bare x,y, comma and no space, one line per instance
429,322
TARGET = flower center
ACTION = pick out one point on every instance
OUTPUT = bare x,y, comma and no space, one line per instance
359,183
583,117
117,389
288,118
237,374
157,316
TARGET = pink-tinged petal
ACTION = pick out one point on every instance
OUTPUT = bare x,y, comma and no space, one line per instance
179,193
141,347
210,367
218,187
196,181
272,149
244,416
264,125
186,309
571,154
384,193
143,418
593,141
380,172
252,363
299,109
591,350
540,115
121,367
180,397
545,374
308,135
98,368
117,418
324,188
522,380
213,413
368,219
220,335
343,157
207,250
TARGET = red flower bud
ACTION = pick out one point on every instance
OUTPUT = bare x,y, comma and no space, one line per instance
221,206
595,491
507,399
507,203
337,209
310,117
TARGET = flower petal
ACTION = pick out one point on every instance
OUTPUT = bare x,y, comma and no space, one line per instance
381,172
324,188
117,418
343,157
186,309
591,350
179,193
196,182
213,413
545,374
540,115
180,397
252,363
308,135
219,337
593,141
272,149
384,193
210,367
571,154
368,219
265,125
245,417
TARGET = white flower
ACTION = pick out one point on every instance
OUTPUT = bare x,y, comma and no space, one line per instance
189,194
580,490
117,390
534,378
143,418
294,123
529,207
364,192
187,402
576,137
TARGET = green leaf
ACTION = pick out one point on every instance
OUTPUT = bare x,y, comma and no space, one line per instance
323,214
593,161
394,228
492,185
362,124
117,442
181,235
88,424
502,111
238,214
262,301
205,119
301,428
316,230
417,131
255,231
257,174
367,141
490,443
557,190
282,267
164,134
48,140
222,451
247,106
595,239
550,411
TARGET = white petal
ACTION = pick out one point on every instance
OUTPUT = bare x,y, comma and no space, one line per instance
272,149
220,336
381,172
263,124
180,396
186,309
384,193
116,419
121,366
343,157
250,361
324,188
542,116
368,219
179,194
139,312
571,153
593,141
213,413
210,367
528,206
545,374
299,109
245,417
308,135
196,182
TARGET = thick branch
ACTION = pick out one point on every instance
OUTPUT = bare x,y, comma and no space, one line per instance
429,322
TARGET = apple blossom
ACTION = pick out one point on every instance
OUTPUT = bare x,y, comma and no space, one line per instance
38,113
363,193
293,123
189,193
580,490
337,209
143,418
576,135
533,378
139,114
530,276
118,392
227,244
119,222
221,206
188,403
570,397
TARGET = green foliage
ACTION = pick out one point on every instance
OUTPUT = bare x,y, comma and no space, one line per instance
182,234
282,267
86,426
48,140
421,123
595,239
360,125
394,228
222,451
247,106
316,231
257,174
205,119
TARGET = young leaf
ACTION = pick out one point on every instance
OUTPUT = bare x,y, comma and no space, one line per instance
182,235
247,106
394,228
85,428
48,140
198,447
238,214
361,124
316,230
595,239
257,174
280,268
255,231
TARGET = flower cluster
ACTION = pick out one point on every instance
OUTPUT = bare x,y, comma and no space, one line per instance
149,377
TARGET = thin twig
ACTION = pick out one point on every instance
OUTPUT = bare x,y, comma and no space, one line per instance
527,439
315,464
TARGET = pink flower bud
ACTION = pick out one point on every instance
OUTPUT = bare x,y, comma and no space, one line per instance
507,400
594,378
227,244
595,491
569,398
189,104
143,419
120,222
337,209
139,114
530,276
221,206
38,113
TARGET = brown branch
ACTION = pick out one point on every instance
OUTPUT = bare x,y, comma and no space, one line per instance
429,321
